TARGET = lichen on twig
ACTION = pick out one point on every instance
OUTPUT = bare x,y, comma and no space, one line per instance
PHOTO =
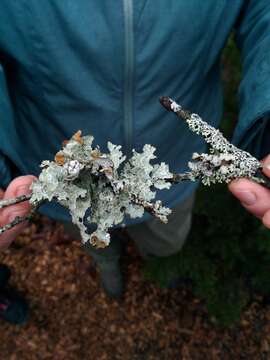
102,188
17,200
99,188
224,162
18,220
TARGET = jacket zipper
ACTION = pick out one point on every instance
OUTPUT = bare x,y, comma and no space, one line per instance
128,75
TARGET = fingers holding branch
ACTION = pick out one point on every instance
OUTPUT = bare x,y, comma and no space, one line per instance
19,186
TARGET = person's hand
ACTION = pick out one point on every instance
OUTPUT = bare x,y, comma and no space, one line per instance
254,197
19,186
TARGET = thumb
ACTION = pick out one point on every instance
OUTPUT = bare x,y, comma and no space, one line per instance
19,186
254,197
266,166
266,170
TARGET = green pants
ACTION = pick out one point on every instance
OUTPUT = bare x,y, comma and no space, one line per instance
152,237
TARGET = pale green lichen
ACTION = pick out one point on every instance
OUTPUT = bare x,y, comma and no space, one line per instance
83,179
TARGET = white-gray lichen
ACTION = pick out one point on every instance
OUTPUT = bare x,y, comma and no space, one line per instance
224,162
83,179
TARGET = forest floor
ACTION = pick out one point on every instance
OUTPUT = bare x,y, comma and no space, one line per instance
72,319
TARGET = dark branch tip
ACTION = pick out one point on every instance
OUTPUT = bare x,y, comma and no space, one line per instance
166,102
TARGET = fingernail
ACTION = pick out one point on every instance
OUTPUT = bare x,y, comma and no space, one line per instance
267,166
266,219
22,190
246,197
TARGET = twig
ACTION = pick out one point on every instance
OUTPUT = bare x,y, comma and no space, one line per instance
211,135
16,200
171,105
16,221
177,178
19,219
152,209
225,162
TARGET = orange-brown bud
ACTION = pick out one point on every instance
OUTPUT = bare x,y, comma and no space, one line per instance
78,137
60,158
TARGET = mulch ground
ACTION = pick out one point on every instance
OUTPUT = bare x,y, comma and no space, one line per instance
71,318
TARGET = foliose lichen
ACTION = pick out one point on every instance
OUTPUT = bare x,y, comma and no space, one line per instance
85,180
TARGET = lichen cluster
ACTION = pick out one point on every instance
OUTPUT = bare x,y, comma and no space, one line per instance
100,188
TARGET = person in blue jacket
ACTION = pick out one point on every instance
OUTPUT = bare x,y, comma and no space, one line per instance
101,66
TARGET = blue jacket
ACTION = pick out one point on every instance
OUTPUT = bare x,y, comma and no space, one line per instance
100,66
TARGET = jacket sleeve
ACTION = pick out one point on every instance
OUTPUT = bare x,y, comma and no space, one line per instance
6,115
253,39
